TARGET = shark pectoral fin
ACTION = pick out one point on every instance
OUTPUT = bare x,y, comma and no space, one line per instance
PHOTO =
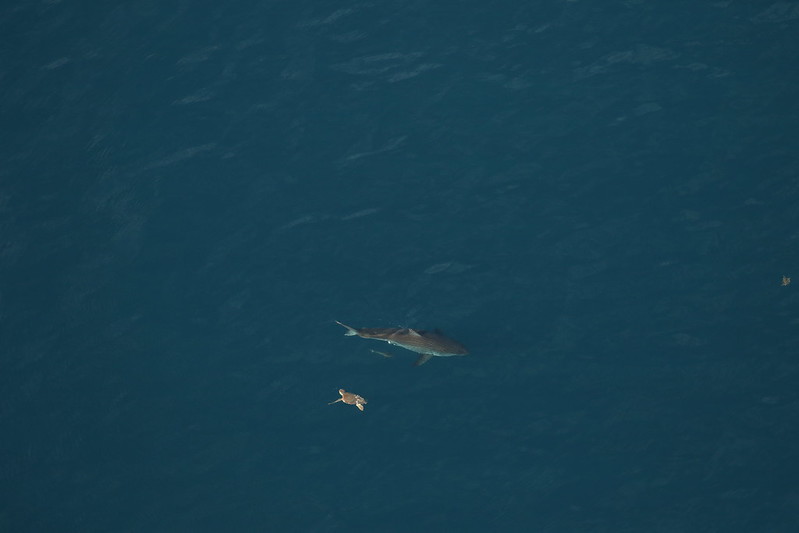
425,357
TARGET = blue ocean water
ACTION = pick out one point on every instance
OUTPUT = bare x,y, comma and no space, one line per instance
599,199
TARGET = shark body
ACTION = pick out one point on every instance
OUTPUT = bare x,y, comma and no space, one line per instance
426,343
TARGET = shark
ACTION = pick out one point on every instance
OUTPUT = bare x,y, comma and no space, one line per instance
427,344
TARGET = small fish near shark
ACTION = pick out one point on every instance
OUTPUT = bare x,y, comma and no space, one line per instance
426,343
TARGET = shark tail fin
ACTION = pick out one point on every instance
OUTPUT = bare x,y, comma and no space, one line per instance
350,331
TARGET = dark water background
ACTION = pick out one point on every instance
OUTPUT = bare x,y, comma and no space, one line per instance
598,199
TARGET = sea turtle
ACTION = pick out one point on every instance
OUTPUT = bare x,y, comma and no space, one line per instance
351,399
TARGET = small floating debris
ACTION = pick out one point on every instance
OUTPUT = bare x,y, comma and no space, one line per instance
786,281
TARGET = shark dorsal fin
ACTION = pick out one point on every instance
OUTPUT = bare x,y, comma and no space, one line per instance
413,333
